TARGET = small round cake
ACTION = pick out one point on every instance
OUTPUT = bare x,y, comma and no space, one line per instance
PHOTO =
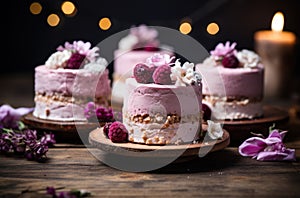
233,83
141,43
70,78
162,105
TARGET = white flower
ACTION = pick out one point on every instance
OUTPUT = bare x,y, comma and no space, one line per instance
248,58
182,75
58,59
159,59
96,67
128,42
214,130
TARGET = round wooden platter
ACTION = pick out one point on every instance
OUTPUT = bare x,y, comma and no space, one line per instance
98,139
65,132
64,126
240,130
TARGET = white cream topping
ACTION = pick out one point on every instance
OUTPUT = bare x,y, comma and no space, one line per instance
128,42
249,59
58,59
96,67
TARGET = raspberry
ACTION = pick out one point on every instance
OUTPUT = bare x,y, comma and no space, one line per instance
142,73
106,128
104,114
161,75
230,61
75,61
117,132
206,112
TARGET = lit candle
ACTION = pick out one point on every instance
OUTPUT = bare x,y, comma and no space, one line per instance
276,48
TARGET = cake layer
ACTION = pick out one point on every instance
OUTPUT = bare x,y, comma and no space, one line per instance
237,82
155,133
59,111
68,82
162,114
223,109
164,99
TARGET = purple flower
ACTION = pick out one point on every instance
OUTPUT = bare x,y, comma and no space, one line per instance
10,117
267,149
222,50
48,139
81,48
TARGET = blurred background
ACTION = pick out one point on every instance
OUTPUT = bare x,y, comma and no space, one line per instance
35,28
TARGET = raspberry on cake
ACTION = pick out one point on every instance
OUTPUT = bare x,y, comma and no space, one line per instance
71,77
164,111
233,83
141,42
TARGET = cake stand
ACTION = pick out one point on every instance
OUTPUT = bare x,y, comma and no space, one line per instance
135,151
240,130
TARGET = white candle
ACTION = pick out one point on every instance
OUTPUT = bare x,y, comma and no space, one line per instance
276,48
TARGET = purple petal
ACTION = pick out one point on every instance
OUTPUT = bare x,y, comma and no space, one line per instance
287,155
24,110
252,146
273,140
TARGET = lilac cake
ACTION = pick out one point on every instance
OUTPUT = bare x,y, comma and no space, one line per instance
163,104
71,77
141,42
233,83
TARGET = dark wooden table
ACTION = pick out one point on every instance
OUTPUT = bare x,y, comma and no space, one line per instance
223,173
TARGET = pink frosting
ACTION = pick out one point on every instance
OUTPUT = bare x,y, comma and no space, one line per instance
221,81
150,98
70,82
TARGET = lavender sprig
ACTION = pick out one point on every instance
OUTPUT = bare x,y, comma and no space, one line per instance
26,142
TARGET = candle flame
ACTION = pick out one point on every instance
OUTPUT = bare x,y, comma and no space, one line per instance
277,22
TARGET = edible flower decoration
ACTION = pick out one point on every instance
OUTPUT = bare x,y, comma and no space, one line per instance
214,130
182,74
229,57
140,37
267,149
160,69
159,59
73,55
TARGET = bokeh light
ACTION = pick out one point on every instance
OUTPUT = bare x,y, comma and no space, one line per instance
213,28
105,23
53,20
68,8
185,28
35,8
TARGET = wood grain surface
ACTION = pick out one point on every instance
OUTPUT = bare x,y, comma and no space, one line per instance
219,174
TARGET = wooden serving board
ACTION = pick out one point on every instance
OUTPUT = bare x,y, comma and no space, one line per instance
240,130
98,139
64,131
